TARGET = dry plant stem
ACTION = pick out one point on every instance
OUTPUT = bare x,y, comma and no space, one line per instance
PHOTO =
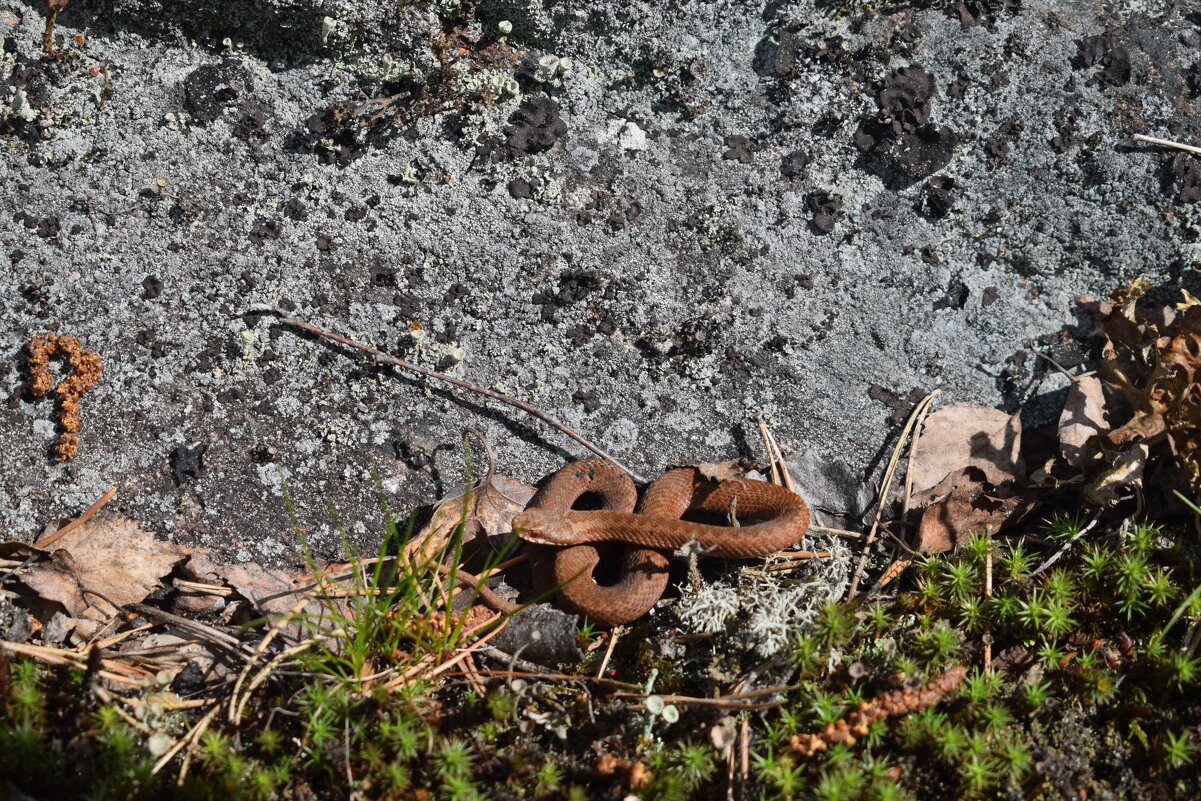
614,636
207,633
745,749
50,539
1166,143
777,457
519,674
775,474
987,598
1056,365
918,413
512,660
276,627
262,675
837,532
296,322
1063,549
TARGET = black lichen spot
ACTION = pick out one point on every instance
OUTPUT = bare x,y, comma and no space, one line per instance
152,287
212,88
264,230
738,148
955,297
996,146
1065,131
46,227
1186,173
522,189
381,274
827,210
901,132
1103,50
975,12
795,164
937,199
408,305
898,405
252,126
535,126
294,209
186,462
588,399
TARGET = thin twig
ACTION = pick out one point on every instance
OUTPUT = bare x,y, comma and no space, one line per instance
277,626
1056,365
379,355
1166,143
837,532
918,412
512,660
50,539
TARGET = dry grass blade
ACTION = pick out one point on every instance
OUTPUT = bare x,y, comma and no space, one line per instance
238,706
207,633
775,456
277,626
918,412
187,739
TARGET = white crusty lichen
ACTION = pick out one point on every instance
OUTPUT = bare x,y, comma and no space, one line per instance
765,611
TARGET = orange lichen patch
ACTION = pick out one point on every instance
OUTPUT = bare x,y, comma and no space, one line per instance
85,373
856,724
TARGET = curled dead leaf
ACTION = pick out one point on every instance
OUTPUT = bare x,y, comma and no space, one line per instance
104,562
487,511
963,503
964,435
722,471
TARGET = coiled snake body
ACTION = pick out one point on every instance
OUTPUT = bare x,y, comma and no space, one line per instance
566,544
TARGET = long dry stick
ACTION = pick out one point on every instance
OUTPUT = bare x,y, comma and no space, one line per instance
1166,143
379,355
918,412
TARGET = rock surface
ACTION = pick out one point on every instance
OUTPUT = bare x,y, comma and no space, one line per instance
656,221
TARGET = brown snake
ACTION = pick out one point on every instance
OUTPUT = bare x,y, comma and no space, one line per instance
566,544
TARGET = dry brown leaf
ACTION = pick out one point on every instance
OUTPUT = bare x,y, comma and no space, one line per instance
964,435
722,471
961,504
489,511
105,561
1082,418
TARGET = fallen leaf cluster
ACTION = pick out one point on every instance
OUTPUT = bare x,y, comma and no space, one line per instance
1138,415
890,704
1152,357
85,373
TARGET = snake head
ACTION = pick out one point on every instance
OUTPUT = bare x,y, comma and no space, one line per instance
545,527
